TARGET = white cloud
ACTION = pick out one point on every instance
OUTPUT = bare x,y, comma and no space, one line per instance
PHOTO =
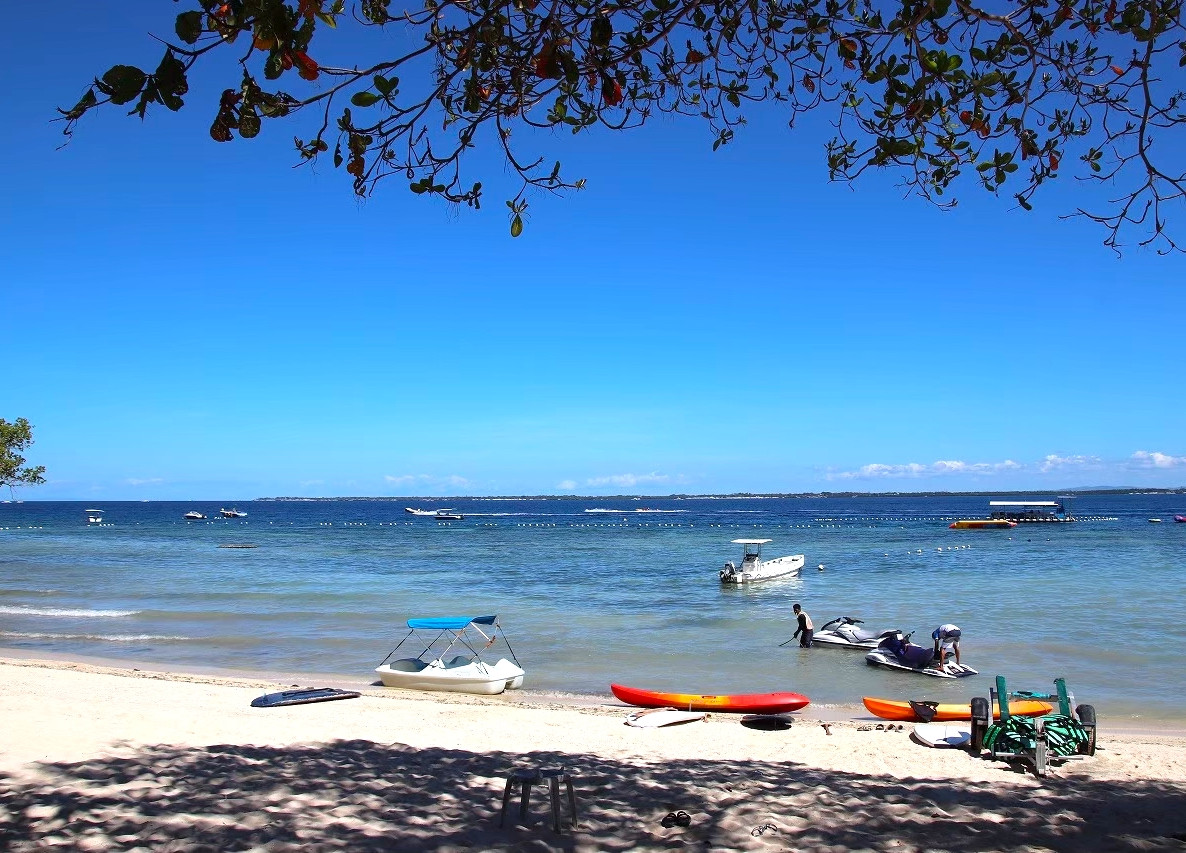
627,480
1053,462
1153,459
567,485
878,470
452,480
146,481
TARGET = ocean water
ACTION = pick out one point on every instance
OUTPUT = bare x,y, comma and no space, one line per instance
590,598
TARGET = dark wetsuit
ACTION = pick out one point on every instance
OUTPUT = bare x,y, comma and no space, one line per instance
805,631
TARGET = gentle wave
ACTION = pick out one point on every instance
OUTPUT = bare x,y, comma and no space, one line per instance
100,638
66,612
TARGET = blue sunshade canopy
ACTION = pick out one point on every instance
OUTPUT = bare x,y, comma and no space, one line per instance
449,623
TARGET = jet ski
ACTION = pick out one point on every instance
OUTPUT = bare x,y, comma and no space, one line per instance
845,632
895,651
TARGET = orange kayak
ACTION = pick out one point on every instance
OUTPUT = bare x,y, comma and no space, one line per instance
900,710
742,703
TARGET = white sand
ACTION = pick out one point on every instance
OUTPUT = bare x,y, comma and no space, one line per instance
96,758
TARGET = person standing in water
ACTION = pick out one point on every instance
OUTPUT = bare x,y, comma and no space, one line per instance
806,629
947,641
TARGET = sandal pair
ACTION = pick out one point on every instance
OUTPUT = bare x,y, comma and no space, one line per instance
680,818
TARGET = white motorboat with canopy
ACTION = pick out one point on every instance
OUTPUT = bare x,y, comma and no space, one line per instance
441,665
754,568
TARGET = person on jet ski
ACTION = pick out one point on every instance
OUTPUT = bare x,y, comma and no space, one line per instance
947,640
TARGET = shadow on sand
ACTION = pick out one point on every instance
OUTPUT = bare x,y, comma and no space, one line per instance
363,796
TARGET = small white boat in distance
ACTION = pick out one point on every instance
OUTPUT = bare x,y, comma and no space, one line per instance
754,568
194,515
232,513
94,516
419,511
441,666
448,515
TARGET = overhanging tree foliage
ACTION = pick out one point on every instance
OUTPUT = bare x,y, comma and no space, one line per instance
14,438
1008,94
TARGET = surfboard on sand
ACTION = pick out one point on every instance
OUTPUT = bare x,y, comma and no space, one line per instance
942,734
303,697
656,717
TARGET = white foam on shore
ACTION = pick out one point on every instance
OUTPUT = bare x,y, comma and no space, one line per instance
101,638
66,612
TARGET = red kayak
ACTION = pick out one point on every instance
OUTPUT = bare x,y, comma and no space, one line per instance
742,703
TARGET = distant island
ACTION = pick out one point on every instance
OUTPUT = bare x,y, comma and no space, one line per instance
1132,490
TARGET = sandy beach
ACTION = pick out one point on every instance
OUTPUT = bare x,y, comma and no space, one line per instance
100,758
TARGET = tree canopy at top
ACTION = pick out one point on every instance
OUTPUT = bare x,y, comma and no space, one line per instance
1007,95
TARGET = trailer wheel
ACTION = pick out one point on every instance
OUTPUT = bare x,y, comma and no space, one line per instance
981,718
1086,715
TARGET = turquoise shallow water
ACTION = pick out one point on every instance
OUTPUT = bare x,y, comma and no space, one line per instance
627,596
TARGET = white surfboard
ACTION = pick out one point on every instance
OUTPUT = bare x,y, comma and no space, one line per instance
942,734
653,718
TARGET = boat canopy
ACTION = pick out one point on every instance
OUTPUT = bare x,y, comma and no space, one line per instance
449,623
92,510
751,541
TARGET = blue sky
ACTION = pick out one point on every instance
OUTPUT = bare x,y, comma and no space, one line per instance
194,320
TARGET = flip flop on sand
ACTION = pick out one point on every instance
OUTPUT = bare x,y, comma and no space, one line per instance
879,727
680,818
763,828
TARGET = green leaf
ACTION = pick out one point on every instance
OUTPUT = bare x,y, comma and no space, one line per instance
517,225
189,27
385,86
85,103
601,32
122,83
170,81
365,99
248,124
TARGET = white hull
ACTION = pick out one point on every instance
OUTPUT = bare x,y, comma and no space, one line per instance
951,670
763,570
459,675
836,641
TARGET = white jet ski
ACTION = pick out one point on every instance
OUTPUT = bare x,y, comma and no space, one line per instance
895,651
845,632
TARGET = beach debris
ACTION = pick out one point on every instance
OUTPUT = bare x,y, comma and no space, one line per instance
762,828
680,818
827,727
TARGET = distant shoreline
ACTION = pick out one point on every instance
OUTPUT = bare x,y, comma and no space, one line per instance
1071,493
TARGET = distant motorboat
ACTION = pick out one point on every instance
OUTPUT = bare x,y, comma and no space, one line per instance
1155,521
1180,519
94,516
419,511
232,513
193,515
754,568
448,515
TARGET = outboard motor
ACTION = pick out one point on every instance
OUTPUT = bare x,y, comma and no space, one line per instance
729,571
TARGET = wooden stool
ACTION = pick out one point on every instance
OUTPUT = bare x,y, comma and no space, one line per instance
555,777
524,779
